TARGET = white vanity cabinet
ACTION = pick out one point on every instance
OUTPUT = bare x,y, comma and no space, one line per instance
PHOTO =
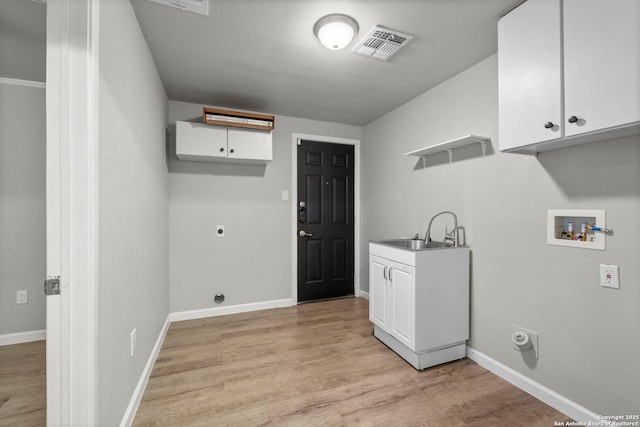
392,292
568,73
419,302
208,143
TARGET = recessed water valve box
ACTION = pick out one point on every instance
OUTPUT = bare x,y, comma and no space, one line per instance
577,228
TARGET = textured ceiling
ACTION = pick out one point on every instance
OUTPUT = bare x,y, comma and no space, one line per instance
261,55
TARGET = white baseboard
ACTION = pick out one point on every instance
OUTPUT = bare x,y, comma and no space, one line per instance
22,337
231,309
136,398
364,294
537,390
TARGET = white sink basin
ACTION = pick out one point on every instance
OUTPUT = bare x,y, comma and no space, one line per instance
415,245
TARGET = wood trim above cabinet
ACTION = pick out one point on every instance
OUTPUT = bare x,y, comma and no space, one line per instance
240,119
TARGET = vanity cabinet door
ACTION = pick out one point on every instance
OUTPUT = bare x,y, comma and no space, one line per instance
402,290
378,269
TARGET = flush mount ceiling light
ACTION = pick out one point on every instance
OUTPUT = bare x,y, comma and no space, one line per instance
335,31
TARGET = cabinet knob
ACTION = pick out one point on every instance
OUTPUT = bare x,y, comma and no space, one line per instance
548,125
573,119
231,151
221,149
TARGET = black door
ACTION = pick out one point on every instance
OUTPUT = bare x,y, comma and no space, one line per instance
325,220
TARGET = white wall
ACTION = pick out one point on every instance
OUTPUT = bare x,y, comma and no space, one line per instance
22,207
253,262
133,201
589,336
23,40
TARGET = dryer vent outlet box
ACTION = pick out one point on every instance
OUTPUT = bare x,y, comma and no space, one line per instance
382,43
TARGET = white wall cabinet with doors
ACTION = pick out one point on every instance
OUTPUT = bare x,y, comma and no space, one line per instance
209,143
568,73
419,302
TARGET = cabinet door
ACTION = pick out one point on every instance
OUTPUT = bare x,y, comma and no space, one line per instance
530,74
601,64
248,144
402,285
377,291
197,141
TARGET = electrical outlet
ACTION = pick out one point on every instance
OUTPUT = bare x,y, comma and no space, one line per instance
21,296
609,276
133,342
220,230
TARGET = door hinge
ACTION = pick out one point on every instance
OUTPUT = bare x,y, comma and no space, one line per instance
52,285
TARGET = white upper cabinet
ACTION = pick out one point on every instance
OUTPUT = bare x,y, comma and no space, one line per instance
601,64
249,144
208,143
568,73
195,141
530,74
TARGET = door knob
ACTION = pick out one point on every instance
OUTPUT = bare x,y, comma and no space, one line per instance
303,233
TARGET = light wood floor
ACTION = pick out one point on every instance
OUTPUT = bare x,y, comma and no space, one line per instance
23,395
318,364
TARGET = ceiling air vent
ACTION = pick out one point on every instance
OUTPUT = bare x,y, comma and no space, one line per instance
195,6
381,43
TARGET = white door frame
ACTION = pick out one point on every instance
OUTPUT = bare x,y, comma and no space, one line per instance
72,211
296,137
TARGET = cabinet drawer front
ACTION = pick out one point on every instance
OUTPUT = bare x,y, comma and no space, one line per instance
195,141
246,144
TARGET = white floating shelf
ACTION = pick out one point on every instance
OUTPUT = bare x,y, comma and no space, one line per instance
448,146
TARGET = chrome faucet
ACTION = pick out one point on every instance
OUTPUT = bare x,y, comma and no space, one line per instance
452,236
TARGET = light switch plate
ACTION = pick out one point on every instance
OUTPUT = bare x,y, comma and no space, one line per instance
609,276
